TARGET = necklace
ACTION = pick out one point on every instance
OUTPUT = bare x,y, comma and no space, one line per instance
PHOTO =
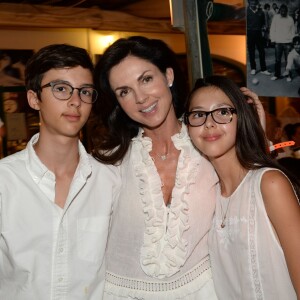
224,214
163,156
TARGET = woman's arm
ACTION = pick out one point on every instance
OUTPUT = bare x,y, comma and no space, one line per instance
284,213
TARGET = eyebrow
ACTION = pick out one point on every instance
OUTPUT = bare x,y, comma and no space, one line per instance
138,79
221,105
142,75
67,82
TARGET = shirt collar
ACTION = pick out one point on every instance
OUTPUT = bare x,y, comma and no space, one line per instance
38,170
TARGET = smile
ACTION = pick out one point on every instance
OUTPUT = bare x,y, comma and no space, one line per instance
149,109
211,138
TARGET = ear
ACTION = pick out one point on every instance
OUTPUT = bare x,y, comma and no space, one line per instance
170,76
33,100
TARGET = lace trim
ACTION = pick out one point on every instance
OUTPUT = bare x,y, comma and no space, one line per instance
253,252
164,250
150,286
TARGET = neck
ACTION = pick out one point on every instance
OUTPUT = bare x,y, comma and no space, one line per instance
230,174
59,155
162,144
161,135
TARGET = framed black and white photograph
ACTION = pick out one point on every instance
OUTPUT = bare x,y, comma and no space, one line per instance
273,47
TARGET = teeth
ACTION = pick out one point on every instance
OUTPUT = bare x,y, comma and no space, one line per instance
149,108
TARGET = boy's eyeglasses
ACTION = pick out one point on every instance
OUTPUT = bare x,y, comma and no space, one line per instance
64,91
221,115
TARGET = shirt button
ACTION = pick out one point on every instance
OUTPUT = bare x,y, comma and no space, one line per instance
61,250
60,279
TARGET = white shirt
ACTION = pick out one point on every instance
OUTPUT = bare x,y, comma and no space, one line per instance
282,29
47,252
293,60
247,259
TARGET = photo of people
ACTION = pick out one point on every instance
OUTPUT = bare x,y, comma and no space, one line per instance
273,47
12,65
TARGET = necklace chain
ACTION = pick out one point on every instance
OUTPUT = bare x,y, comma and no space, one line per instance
162,157
224,215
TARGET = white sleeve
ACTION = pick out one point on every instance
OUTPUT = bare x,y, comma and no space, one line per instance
290,61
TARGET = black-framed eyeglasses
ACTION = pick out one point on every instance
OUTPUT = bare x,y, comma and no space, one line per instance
221,115
63,91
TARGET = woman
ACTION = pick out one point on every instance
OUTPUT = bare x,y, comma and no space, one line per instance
157,246
254,241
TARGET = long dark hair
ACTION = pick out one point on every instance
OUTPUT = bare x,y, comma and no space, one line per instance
114,130
251,142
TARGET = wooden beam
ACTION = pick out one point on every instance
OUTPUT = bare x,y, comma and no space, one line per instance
43,16
231,27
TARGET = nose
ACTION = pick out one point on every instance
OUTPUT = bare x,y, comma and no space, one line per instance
75,98
140,97
209,121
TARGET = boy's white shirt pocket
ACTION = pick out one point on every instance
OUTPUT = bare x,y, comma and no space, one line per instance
92,235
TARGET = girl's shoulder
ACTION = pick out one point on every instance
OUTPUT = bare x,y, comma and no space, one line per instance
277,188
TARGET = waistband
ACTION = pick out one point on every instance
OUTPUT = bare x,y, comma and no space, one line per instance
155,286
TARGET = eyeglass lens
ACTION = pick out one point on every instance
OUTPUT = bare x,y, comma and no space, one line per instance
64,91
221,116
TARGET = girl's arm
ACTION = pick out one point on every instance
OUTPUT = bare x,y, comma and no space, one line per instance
284,213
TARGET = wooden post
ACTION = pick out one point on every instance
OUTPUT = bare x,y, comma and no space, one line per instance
196,14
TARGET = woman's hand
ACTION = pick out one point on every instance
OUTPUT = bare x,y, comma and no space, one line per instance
253,98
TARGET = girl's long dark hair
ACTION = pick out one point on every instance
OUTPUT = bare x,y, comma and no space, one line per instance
252,147
113,130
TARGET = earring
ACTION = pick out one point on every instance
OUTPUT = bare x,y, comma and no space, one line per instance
171,84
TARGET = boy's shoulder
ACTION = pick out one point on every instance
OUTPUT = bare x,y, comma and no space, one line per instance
13,165
97,165
13,158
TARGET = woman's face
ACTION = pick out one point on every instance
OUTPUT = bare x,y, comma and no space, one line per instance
143,91
213,139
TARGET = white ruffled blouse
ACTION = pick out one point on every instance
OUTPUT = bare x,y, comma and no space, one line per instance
152,242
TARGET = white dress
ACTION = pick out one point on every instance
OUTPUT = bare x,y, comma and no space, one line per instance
154,251
247,259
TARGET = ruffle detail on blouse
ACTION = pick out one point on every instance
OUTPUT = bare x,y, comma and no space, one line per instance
164,250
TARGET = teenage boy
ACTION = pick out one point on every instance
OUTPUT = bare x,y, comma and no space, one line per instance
55,199
282,32
293,59
255,24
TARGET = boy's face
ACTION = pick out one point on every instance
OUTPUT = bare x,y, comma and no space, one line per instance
63,117
253,4
297,47
283,11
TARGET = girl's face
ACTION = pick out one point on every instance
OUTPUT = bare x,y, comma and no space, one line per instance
143,91
213,139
